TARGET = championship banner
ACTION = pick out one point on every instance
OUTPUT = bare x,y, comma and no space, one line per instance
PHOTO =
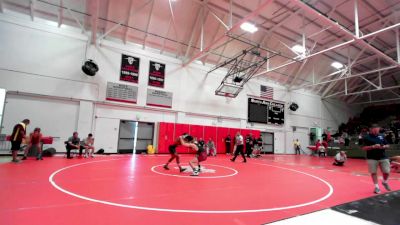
159,98
121,93
156,74
129,68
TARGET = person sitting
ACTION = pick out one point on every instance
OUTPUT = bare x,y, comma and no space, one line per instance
258,147
340,158
320,148
88,145
73,143
35,139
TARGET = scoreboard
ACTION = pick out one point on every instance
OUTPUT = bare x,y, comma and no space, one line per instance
265,111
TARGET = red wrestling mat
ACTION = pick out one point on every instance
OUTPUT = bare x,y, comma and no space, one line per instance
137,190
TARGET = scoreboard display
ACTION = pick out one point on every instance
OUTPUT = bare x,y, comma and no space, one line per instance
265,111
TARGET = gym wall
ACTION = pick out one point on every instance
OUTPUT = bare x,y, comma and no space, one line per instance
42,62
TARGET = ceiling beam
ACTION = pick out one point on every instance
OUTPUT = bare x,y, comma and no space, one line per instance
132,12
60,13
234,27
353,40
94,11
194,25
213,39
1,6
376,101
359,40
32,4
347,77
128,21
166,34
148,23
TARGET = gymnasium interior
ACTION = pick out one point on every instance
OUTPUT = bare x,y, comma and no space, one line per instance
227,112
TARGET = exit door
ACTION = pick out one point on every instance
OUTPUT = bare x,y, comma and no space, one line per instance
268,143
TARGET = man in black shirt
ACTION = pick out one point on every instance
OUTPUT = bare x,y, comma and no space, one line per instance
228,144
248,145
73,143
375,145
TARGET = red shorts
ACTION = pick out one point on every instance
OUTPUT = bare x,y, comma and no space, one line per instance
202,156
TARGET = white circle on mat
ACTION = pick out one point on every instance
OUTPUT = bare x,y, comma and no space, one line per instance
327,195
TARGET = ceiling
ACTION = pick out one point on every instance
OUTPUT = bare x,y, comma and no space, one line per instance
208,31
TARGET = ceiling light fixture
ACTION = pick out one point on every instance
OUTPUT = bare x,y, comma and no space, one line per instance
248,27
337,65
298,49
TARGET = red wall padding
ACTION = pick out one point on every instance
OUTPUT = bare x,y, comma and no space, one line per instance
165,136
222,133
197,131
168,132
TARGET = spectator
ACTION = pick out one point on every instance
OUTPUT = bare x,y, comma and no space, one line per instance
248,145
211,148
340,158
345,136
88,145
73,143
296,145
258,147
228,144
16,138
375,145
35,140
320,148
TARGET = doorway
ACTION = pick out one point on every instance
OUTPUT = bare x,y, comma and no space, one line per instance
268,143
134,137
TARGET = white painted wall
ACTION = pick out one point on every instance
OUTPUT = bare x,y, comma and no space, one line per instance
55,117
43,60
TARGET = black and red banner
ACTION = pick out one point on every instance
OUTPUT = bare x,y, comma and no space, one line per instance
129,68
156,74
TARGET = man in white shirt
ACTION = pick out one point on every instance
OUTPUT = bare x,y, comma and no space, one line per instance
239,147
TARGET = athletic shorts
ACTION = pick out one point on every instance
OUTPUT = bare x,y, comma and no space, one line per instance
202,156
15,145
172,149
383,163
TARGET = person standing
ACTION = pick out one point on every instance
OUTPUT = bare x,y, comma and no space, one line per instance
172,150
201,155
228,144
248,145
211,148
239,147
375,145
16,138
297,146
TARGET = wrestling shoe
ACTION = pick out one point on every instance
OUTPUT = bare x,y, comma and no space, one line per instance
166,167
182,169
377,190
387,187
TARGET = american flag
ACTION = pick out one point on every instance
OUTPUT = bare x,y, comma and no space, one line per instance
266,92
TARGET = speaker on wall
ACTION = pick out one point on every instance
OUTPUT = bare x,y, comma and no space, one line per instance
90,68
293,106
